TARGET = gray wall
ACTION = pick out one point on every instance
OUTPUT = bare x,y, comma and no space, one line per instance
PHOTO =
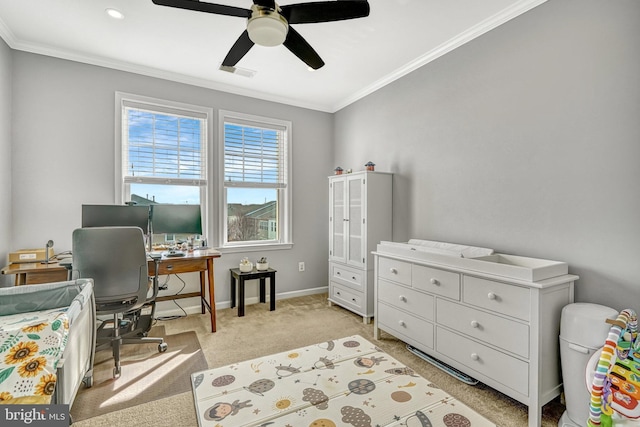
5,157
64,156
526,140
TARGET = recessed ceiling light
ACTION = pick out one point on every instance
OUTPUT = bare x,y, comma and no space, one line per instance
114,13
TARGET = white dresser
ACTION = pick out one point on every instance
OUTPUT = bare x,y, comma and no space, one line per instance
473,315
360,209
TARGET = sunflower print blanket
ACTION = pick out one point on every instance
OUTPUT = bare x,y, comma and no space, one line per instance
31,346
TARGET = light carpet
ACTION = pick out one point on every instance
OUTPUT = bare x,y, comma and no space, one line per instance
299,322
147,374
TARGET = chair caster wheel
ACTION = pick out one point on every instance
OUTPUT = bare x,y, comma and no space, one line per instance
162,347
116,372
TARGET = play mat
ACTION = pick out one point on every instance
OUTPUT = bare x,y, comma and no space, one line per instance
31,345
346,382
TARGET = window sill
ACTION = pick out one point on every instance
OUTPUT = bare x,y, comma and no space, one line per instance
254,248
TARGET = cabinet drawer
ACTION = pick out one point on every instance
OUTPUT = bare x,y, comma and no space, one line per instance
497,296
397,271
174,266
498,331
392,319
347,298
405,298
440,282
350,277
500,367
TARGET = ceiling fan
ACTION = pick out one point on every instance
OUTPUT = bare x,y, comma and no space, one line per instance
269,24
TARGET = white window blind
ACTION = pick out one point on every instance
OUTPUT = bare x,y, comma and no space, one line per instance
163,145
254,155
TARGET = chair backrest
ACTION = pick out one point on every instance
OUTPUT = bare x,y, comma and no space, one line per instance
115,258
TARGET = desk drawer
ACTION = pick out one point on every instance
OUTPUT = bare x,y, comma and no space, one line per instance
175,266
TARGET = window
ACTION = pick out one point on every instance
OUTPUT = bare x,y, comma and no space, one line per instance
254,159
162,153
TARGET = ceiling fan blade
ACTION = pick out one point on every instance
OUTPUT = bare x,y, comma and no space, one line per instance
303,50
325,11
200,6
271,4
238,50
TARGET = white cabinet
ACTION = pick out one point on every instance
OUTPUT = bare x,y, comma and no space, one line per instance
501,331
360,208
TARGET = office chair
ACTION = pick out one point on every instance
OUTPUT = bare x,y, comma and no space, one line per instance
115,258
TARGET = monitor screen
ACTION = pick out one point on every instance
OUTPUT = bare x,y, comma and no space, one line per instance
115,216
176,219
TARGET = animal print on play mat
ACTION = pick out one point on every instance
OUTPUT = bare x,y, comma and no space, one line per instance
347,382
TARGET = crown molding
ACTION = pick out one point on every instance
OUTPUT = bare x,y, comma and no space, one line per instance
481,28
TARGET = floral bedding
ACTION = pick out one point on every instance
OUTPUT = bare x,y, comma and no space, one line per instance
347,382
31,345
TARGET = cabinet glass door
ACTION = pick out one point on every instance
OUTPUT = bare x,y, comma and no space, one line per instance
337,220
355,221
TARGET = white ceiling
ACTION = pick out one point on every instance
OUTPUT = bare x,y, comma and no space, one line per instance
361,55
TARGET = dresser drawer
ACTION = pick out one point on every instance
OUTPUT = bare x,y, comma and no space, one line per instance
500,367
347,297
498,331
439,282
350,277
394,320
500,297
397,271
405,298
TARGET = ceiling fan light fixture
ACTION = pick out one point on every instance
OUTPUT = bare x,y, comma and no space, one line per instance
267,28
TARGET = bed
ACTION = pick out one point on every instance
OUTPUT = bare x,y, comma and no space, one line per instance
47,342
346,382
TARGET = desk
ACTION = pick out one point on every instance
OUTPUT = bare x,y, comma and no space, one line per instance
201,261
33,273
238,276
196,261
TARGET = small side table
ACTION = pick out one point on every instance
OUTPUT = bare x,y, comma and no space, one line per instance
239,277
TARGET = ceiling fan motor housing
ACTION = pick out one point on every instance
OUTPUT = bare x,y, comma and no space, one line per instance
267,27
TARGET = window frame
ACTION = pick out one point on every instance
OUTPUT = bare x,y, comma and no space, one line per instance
285,194
122,189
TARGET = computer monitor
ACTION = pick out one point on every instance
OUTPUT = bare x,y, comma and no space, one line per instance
176,219
115,216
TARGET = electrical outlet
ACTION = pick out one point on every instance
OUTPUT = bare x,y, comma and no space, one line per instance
301,266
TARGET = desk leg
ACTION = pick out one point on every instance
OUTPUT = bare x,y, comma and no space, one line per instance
202,292
263,293
233,290
241,298
272,292
212,296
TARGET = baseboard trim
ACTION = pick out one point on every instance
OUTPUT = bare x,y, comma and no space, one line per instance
168,308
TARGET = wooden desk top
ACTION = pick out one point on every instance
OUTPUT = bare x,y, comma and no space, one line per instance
31,267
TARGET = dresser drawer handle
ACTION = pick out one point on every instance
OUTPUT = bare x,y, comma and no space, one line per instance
475,324
169,267
337,273
401,323
353,277
353,299
491,296
435,282
338,293
403,298
393,270
474,356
